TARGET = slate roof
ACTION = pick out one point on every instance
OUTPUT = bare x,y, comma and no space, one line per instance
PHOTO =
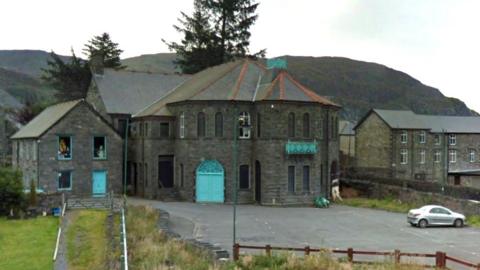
397,119
346,128
241,80
45,120
127,92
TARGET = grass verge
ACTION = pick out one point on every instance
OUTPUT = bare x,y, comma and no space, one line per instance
27,244
393,205
87,243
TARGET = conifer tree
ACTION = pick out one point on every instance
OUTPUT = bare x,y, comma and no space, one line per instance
104,46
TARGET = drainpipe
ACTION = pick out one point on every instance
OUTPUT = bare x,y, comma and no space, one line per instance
125,153
447,161
327,139
235,174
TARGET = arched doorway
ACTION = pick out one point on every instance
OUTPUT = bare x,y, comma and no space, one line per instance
258,182
210,182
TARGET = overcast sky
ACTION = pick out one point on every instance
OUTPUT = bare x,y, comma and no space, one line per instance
435,41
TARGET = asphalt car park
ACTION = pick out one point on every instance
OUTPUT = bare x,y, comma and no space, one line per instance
335,227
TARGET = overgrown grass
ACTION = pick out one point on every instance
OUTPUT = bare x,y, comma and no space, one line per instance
150,248
393,205
87,243
27,244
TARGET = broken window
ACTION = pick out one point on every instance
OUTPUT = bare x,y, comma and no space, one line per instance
64,147
99,147
165,130
65,180
244,125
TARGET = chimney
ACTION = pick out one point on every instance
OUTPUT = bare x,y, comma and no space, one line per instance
275,65
96,63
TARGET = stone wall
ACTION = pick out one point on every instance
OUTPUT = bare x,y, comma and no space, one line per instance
82,124
25,157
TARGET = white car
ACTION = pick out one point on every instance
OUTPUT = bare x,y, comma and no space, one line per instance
435,215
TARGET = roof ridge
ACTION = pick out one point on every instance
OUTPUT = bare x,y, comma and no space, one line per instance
236,89
282,85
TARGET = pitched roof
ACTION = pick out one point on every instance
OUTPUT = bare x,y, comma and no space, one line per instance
127,92
241,80
346,127
45,120
435,123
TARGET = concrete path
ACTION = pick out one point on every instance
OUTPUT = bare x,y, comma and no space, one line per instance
335,227
61,262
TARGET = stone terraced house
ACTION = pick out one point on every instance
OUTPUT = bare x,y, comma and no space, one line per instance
186,132
405,145
71,148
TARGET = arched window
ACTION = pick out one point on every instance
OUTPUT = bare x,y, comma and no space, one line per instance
182,125
218,124
291,125
244,125
201,124
306,125
259,125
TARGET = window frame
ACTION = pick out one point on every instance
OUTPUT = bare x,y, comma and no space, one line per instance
403,156
244,131
181,126
201,125
291,125
437,156
404,137
452,156
59,136
437,139
219,124
472,153
291,180
70,180
422,155
104,144
422,137
306,125
452,139
163,123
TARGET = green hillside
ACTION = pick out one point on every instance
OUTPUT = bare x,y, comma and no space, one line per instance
155,63
356,85
24,87
28,62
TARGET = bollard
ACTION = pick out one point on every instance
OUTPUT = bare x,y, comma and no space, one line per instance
236,252
440,259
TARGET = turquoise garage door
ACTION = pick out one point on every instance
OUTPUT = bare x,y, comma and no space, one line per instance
210,183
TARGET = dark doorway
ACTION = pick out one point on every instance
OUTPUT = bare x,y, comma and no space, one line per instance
334,170
457,180
165,171
258,182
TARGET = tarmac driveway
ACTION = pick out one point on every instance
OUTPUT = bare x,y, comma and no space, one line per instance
335,227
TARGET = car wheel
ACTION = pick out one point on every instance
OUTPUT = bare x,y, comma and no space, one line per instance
458,223
423,223
413,225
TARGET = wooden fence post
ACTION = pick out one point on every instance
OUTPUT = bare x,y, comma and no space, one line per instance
478,266
440,259
307,250
397,256
350,254
236,252
268,250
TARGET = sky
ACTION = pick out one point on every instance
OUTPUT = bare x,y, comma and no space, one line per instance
435,41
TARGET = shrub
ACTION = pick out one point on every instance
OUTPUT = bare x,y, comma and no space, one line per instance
11,190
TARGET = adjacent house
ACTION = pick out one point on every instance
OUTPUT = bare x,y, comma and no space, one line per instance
71,148
8,126
347,144
405,145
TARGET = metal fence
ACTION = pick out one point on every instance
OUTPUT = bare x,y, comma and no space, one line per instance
441,258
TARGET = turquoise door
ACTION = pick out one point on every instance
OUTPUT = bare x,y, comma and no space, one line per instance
210,182
99,184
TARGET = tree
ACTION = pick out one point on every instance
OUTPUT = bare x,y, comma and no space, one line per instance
71,79
104,46
11,190
217,32
28,112
233,19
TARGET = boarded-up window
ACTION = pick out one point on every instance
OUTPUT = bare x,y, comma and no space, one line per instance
291,125
201,124
164,129
218,124
291,179
244,177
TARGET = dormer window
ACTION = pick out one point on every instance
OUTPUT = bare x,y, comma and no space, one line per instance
244,126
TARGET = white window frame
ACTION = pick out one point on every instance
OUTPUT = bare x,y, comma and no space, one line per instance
437,156
452,156
472,155
182,125
438,139
452,139
422,137
403,156
244,125
404,136
422,156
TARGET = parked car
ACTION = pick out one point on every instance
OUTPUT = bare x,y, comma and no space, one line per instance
435,215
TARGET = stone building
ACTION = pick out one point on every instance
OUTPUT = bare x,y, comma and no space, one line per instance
71,148
282,137
405,145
